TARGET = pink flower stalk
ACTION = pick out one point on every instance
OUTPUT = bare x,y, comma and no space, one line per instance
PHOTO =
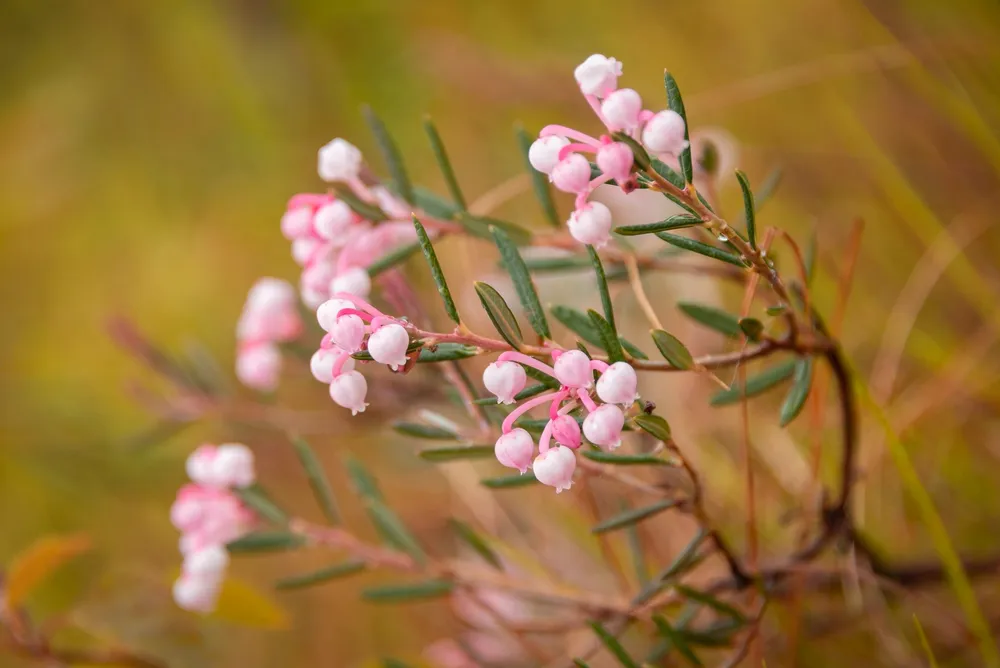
388,344
514,449
348,390
392,206
603,426
617,385
555,467
505,380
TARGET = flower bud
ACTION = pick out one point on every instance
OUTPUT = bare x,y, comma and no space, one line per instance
322,361
326,314
348,390
571,174
504,379
268,294
196,593
514,450
566,431
339,161
187,510
304,249
664,133
331,221
617,385
544,152
297,223
199,466
233,466
388,345
603,427
591,224
355,281
615,160
348,333
573,369
598,75
621,109
210,560
259,366
555,467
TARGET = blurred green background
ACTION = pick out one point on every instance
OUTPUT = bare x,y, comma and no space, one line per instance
149,147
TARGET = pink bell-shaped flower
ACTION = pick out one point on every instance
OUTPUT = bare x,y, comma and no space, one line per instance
514,449
571,174
555,467
339,161
664,133
615,159
572,369
388,344
331,221
233,466
355,281
621,109
591,224
322,362
210,560
566,431
328,311
598,75
197,593
348,390
617,385
348,333
505,380
603,427
544,152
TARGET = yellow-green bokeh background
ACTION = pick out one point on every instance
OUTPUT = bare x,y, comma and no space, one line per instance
148,149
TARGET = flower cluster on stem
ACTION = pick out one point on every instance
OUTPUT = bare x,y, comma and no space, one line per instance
269,317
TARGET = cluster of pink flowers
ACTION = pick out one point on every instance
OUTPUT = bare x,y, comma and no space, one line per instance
353,325
209,515
332,243
554,466
269,317
559,150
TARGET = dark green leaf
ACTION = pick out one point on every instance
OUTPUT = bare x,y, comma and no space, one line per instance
322,575
479,226
577,322
653,425
512,261
701,248
433,204
709,158
752,327
632,349
719,634
680,221
444,163
613,646
799,392
767,188
392,529
446,352
500,314
364,209
672,349
609,338
362,481
676,103
452,454
633,516
624,460
672,635
667,172
318,481
684,560
539,181
748,208
776,310
561,263
256,499
509,481
265,541
402,593
424,431
637,551
713,318
390,154
476,542
436,273
394,257
710,601
756,384
602,287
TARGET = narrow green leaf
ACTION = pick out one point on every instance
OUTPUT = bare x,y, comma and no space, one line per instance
541,377
752,327
637,551
676,103
509,481
678,222
609,339
500,314
394,257
512,261
403,593
710,601
322,575
925,644
318,481
257,500
602,288
390,154
479,226
444,163
776,310
580,663
394,531
362,481
811,253
265,541
476,542
418,430
799,392
633,516
684,560
452,454
436,273
672,349
577,322
539,182
756,384
748,208
389,662
433,204
667,172
711,317
767,188
446,352
536,264
613,646
632,349
701,248
676,639
364,209
718,634
653,425
624,460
